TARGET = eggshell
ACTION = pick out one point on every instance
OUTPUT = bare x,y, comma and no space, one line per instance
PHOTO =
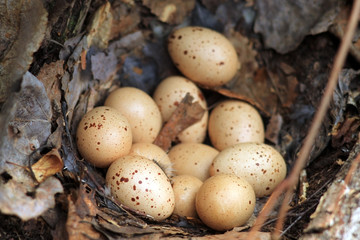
140,109
103,135
233,122
169,93
192,159
185,188
203,55
260,164
140,184
153,152
225,201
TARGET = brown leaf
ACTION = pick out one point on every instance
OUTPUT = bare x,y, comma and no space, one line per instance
15,198
170,11
273,128
239,96
186,114
47,166
284,84
345,132
100,27
247,57
23,25
80,214
232,235
50,75
127,231
126,19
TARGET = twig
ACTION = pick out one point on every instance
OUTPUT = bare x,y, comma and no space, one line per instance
289,183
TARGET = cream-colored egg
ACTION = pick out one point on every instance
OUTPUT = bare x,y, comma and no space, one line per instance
233,122
169,93
225,201
185,188
103,135
203,55
141,111
260,164
192,159
153,152
140,184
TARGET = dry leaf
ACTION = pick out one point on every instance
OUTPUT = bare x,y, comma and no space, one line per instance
80,215
100,27
273,128
50,75
26,125
339,27
104,68
126,231
126,19
284,24
15,198
186,114
170,11
23,25
47,166
345,132
233,235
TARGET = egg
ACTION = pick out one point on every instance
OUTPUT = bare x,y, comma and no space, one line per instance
260,164
185,188
141,111
192,159
103,135
233,122
203,55
169,93
225,201
140,184
153,152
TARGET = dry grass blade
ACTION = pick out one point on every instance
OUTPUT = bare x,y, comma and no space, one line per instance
289,183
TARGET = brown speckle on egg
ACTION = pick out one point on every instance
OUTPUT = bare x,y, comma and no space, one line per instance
212,49
134,192
244,160
105,129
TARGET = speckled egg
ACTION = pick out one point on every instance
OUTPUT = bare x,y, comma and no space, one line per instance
203,55
153,152
233,122
169,93
103,135
140,184
225,201
192,159
185,188
141,111
260,164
